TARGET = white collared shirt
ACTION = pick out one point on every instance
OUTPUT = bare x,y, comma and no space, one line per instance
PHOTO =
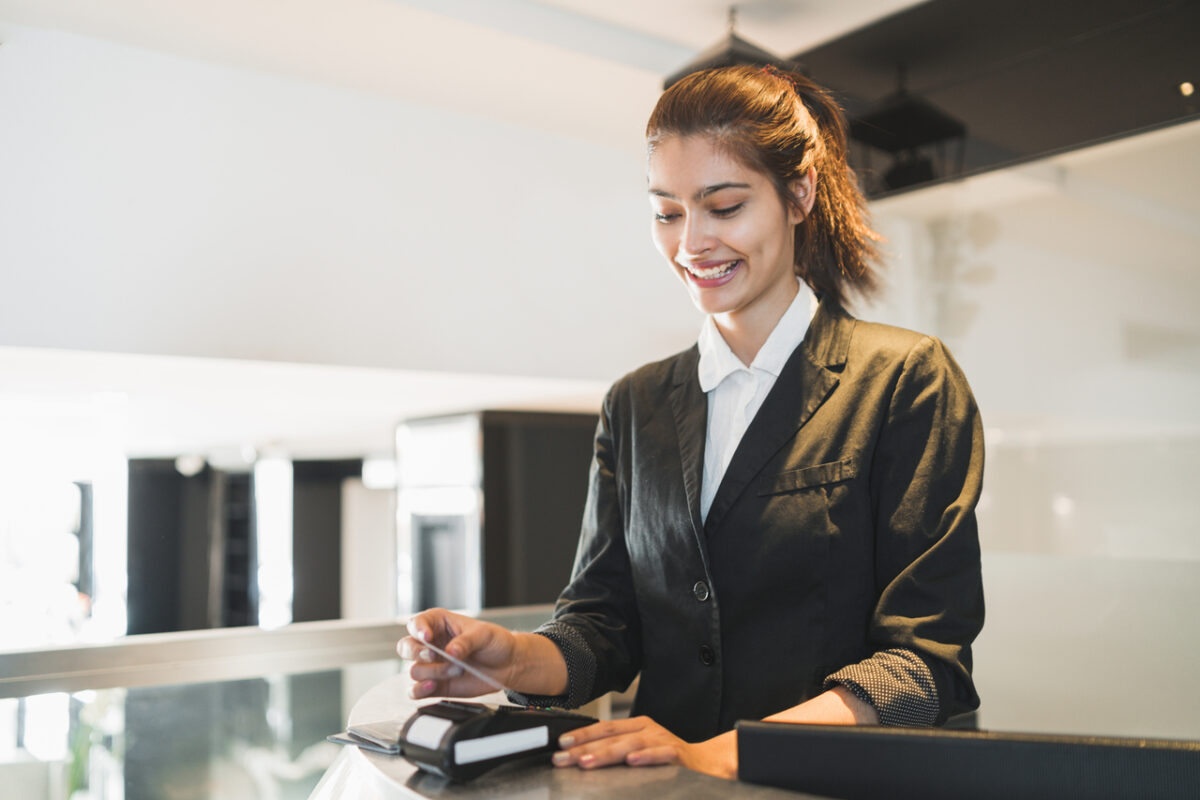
736,392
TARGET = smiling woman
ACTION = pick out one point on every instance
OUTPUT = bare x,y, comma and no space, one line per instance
727,234
781,519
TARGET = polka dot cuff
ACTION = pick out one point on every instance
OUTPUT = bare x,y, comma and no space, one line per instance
897,683
581,669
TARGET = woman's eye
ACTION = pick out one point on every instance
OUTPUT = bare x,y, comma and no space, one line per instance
728,211
662,217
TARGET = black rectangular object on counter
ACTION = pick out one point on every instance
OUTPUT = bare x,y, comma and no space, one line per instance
462,740
870,762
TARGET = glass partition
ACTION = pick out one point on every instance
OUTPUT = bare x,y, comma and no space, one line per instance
208,715
259,737
1069,290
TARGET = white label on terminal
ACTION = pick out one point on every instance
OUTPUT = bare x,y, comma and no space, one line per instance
501,744
427,731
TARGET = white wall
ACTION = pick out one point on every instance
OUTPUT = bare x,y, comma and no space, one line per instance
368,551
151,204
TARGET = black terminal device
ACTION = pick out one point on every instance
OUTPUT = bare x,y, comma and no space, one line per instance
461,741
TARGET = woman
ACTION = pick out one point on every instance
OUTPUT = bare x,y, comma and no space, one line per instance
780,522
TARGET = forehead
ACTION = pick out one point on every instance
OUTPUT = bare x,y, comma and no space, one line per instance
683,165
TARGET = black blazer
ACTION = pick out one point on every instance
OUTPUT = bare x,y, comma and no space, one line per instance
844,525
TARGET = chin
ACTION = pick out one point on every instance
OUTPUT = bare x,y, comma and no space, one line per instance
710,305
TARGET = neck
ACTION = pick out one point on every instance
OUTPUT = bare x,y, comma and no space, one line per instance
747,330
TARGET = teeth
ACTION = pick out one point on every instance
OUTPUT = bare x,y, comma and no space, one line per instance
712,272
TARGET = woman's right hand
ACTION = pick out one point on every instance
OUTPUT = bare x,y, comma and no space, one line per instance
488,647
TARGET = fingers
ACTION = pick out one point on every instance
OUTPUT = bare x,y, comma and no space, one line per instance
602,730
411,649
407,648
486,646
457,635
430,675
433,677
432,625
420,629
445,685
637,741
434,672
629,749
659,754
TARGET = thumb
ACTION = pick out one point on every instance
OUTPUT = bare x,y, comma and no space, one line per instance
473,640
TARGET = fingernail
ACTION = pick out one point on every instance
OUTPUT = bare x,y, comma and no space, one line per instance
587,761
425,655
427,687
566,740
561,758
454,671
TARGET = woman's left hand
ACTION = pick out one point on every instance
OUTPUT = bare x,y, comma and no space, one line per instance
641,741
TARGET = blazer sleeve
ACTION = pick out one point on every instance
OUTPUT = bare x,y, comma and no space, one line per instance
596,624
926,478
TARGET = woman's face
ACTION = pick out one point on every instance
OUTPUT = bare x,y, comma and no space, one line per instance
723,229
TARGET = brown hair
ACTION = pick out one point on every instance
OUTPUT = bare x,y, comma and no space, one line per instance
782,124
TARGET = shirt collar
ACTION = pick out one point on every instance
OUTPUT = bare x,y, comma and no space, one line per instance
717,361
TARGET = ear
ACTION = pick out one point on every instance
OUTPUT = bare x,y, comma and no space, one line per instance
804,189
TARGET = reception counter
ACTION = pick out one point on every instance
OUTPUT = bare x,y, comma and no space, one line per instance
361,774
243,714
233,714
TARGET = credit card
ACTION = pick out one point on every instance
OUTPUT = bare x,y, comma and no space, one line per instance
348,738
489,680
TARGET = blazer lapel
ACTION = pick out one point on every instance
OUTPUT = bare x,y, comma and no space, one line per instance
806,381
690,408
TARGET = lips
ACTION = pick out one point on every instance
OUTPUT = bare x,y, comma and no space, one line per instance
712,273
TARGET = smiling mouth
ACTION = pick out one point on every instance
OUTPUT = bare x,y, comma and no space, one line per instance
711,273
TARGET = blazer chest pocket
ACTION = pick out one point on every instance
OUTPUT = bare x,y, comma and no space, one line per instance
808,477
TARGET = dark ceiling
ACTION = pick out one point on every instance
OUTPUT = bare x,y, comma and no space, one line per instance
1026,77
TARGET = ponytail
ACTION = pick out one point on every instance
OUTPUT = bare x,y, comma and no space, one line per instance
835,246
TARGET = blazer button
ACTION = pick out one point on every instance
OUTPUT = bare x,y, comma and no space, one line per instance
707,656
700,590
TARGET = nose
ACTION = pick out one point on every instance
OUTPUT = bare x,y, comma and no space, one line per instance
696,238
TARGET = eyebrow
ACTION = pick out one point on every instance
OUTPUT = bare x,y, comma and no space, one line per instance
703,193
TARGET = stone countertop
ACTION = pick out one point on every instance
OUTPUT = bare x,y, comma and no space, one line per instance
361,774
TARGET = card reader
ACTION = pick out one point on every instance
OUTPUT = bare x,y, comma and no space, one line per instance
460,740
